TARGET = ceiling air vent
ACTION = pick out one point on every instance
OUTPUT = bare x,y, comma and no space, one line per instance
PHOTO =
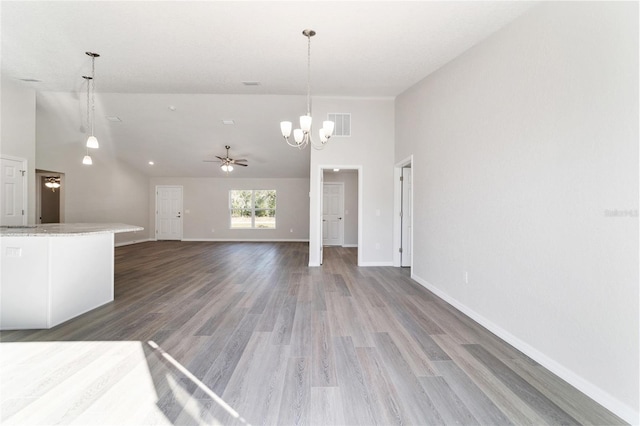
342,122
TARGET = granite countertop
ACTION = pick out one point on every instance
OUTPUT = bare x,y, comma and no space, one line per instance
66,229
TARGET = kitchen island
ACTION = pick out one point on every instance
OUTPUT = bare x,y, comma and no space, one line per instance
54,272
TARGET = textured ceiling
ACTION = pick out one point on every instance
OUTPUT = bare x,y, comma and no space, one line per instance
151,48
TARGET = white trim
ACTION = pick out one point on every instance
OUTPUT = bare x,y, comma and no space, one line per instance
249,240
349,245
367,264
128,243
594,392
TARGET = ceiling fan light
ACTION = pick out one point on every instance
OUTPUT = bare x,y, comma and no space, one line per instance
87,160
285,127
49,184
305,123
328,127
298,135
92,142
227,168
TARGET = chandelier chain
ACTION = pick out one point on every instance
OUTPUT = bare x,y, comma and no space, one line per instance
309,74
93,92
88,103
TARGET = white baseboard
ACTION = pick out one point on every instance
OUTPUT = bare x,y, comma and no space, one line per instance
594,392
248,240
350,245
128,243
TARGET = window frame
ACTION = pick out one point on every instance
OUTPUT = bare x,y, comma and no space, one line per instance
253,209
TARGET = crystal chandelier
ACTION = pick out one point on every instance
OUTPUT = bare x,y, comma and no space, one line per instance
92,141
302,136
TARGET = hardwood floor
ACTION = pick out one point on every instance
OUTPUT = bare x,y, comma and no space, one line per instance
246,333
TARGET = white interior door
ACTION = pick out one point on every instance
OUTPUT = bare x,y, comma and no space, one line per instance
13,192
405,252
168,212
332,214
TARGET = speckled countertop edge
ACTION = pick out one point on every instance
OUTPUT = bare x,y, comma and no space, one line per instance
68,229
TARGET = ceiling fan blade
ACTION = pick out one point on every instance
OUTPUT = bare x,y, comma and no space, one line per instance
210,161
221,158
240,164
242,159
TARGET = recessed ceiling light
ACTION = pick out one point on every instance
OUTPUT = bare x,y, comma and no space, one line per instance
251,83
113,118
172,108
228,122
336,170
151,163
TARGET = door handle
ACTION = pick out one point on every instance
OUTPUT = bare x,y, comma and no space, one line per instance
340,218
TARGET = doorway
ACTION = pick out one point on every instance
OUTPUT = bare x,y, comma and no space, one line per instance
50,187
169,212
340,212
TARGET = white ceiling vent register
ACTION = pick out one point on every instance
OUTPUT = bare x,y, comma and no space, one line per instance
342,123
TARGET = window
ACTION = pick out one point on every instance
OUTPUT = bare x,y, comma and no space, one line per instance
252,209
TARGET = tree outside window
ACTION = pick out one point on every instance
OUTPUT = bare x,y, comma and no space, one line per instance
252,209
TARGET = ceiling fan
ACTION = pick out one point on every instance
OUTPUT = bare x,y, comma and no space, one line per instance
227,163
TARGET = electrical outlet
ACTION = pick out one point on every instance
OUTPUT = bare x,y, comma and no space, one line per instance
213,230
291,230
466,277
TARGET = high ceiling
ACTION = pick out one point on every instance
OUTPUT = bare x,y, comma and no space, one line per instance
193,55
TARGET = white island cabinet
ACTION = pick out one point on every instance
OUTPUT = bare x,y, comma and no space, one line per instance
54,272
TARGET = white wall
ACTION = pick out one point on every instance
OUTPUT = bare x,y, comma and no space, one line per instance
206,208
18,135
350,219
371,147
524,148
107,191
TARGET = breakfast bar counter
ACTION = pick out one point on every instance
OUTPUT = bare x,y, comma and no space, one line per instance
54,272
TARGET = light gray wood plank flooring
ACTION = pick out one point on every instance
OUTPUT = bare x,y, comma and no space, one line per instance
246,333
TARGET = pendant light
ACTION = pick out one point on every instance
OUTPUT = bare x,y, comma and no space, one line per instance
92,141
302,136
